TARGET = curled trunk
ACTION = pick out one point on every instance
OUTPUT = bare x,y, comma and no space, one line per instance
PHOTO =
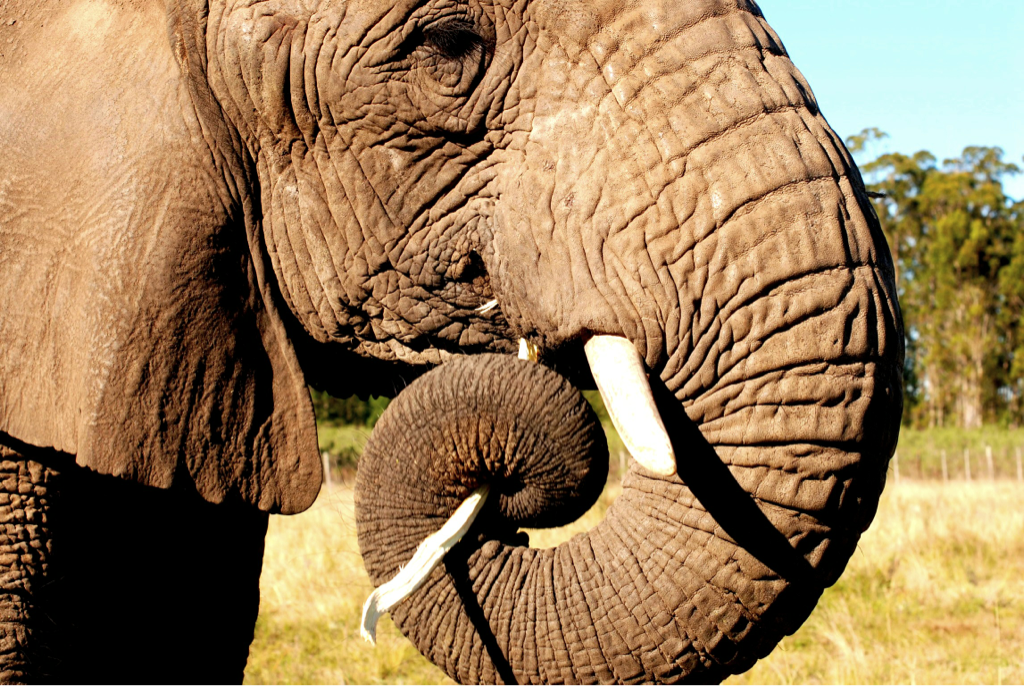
692,576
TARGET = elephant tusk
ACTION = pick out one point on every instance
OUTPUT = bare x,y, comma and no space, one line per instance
619,373
487,307
427,556
527,350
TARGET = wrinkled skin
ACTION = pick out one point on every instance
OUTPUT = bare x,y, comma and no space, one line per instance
203,206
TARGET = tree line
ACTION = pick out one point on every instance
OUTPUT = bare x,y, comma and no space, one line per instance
957,242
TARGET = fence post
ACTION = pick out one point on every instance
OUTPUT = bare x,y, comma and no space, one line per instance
967,464
326,458
988,463
945,467
1020,467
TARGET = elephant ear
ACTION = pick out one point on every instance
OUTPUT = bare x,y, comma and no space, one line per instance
208,385
161,361
168,363
138,327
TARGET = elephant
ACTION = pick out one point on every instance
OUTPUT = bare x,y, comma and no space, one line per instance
207,206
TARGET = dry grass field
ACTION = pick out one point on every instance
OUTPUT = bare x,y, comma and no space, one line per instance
935,594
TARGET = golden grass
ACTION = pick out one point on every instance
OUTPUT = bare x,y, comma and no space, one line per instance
313,587
935,594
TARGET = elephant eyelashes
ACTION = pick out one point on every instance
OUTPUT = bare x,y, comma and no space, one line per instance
453,39
453,53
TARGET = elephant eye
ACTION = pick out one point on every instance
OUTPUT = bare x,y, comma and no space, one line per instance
454,38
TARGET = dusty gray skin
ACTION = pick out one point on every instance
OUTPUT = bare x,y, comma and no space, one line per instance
203,207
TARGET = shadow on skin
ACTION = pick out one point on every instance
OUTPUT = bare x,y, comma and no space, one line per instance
141,584
456,566
711,482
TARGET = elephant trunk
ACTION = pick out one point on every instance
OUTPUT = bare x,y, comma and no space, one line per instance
699,206
694,575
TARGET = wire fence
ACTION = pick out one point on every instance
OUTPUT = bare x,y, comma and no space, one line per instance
966,464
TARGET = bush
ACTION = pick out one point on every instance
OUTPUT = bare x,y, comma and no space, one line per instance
351,410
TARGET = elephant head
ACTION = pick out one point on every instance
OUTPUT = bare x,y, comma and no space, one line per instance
220,200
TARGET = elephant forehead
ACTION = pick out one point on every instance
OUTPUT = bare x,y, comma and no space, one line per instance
583,21
90,20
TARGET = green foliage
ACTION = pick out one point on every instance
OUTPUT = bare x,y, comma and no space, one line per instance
958,249
343,444
350,410
343,427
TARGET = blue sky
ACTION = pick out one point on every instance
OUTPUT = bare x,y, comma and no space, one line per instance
936,75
